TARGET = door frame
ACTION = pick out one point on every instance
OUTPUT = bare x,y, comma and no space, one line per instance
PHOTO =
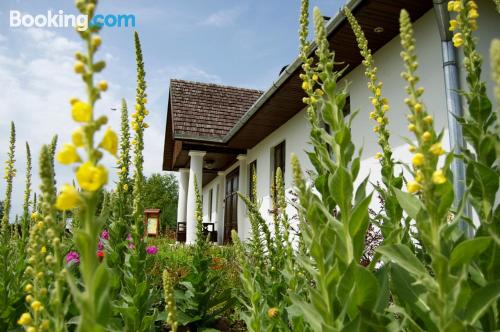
231,204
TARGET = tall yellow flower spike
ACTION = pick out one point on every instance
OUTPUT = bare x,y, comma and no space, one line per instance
91,177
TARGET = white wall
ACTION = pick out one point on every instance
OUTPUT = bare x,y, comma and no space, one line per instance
296,131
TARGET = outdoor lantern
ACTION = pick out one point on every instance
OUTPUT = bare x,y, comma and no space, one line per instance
152,221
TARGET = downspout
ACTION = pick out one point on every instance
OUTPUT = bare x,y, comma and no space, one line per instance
453,105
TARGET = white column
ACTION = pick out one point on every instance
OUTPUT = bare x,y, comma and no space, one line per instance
220,207
242,188
183,189
195,171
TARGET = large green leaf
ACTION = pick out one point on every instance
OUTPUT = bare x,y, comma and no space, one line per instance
465,251
359,217
408,202
404,257
481,300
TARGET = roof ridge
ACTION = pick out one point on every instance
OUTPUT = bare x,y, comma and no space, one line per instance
215,84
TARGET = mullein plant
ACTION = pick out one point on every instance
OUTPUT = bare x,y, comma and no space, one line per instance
481,128
202,295
137,306
333,213
11,268
25,221
442,296
268,268
121,212
390,223
45,271
170,308
91,296
483,172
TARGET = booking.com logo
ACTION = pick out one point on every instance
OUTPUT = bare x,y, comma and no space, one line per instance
61,20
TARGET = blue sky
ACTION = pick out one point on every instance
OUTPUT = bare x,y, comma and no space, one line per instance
240,43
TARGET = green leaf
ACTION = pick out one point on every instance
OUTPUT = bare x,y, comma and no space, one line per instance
481,300
465,251
408,202
359,217
404,257
340,185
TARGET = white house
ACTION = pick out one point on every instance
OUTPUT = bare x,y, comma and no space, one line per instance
217,134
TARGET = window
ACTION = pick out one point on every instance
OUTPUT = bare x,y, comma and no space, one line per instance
210,199
252,172
278,160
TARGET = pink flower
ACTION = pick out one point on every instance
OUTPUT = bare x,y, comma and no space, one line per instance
131,246
100,246
72,257
152,250
105,234
129,237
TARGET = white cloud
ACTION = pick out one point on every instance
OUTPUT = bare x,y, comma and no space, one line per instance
37,81
222,18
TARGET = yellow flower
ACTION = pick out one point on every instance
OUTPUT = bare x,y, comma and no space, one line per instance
457,40
29,298
79,67
315,77
45,324
418,107
374,101
40,224
31,329
68,154
453,25
68,198
451,5
373,115
138,107
472,4
418,159
43,250
473,14
413,187
102,85
124,169
426,136
377,92
73,100
305,85
125,187
319,92
438,177
77,137
144,100
110,142
385,108
28,288
378,155
436,149
411,127
419,177
34,215
272,312
25,319
457,6
412,149
96,41
380,120
375,129
36,306
91,177
428,119
81,112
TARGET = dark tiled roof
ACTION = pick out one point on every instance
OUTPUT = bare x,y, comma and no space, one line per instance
208,110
